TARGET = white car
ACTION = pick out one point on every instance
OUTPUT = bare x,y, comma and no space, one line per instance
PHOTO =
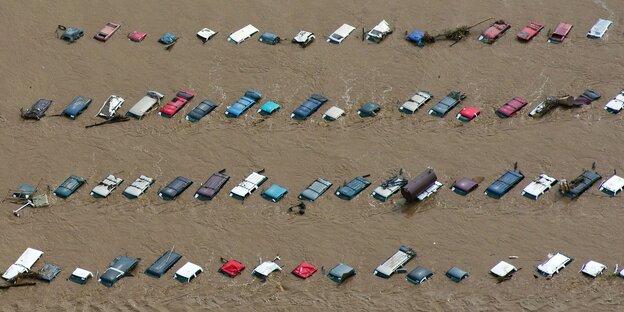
138,187
539,186
379,32
187,272
415,102
553,265
242,34
612,185
503,269
145,104
304,38
340,34
23,263
108,185
333,113
593,268
599,29
616,104
247,186
266,268
205,34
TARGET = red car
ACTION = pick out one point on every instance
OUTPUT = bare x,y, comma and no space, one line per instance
176,104
493,32
106,32
511,107
560,33
529,31
468,113
137,36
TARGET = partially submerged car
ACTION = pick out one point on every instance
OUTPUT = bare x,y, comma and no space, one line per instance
560,33
241,105
315,190
599,29
304,270
187,272
510,108
266,268
415,102
579,185
352,188
69,186
528,32
340,34
176,104
174,188
308,107
163,264
205,34
168,39
110,107
504,184
23,264
418,275
209,189
395,262
587,97
553,264
612,186
388,187
107,31
456,274
77,105
201,110
304,38
379,32
464,186
550,103
446,104
145,104
24,191
48,272
107,186
138,187
37,110
120,267
269,38
616,104
422,186
538,186
71,34
417,37
468,113
137,36
592,268
248,186
242,34
333,113
232,268
340,273
492,33
274,193
80,276
368,110
268,108
503,270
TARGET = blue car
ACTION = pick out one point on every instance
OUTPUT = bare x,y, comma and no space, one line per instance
120,267
416,37
250,98
308,107
69,186
447,104
79,104
505,183
268,108
269,38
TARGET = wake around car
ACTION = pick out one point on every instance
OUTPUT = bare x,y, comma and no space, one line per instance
176,104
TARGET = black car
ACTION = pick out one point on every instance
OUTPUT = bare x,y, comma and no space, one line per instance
200,111
174,188
121,266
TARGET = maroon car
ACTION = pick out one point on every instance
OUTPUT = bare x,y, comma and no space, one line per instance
493,32
209,189
176,104
529,31
511,107
107,31
560,33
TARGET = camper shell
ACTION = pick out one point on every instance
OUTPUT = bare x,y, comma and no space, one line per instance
503,270
145,104
242,34
504,184
163,264
138,187
418,275
616,104
209,189
415,102
37,110
340,273
578,186
333,113
599,29
308,107
456,274
201,110
340,34
248,186
176,104
187,272
304,38
388,188
80,276
464,186
274,193
352,188
395,262
446,104
315,190
232,268
108,185
110,107
612,186
538,186
241,105
553,265
510,108
23,264
379,32
304,270
422,186
205,34
77,105
69,186
592,268
175,188
120,267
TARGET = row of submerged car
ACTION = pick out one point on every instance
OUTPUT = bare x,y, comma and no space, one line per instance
377,34
151,99
123,266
